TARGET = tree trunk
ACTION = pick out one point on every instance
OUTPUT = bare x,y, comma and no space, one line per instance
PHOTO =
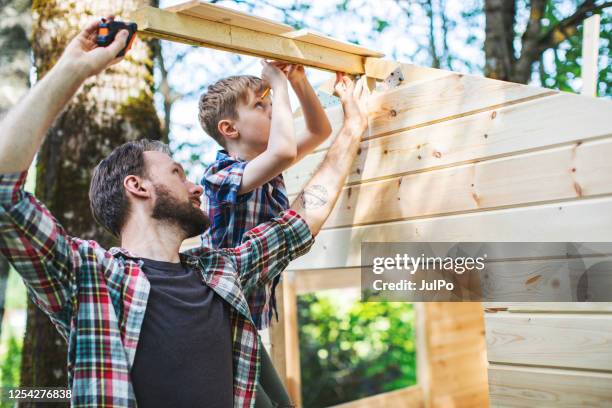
499,38
15,28
110,109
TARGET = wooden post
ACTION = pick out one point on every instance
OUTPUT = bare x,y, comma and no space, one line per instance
285,349
590,52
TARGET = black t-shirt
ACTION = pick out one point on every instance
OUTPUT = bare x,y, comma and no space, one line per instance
184,354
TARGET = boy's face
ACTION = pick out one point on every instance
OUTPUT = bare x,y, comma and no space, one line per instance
253,123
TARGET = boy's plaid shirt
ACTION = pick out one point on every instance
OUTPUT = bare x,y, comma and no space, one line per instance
232,215
97,298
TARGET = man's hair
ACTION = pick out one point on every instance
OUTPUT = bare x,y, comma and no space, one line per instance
107,197
221,102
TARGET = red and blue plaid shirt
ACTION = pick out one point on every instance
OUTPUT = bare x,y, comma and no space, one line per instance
97,298
232,215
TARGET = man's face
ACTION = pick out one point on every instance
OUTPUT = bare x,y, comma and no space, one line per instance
254,119
177,200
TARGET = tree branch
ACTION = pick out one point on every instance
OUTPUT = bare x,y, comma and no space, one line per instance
568,26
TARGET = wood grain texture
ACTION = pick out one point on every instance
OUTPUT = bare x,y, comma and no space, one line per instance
196,31
558,340
314,37
213,12
530,387
469,139
566,172
410,397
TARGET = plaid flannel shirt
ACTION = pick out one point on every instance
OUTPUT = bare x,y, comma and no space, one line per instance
97,298
232,215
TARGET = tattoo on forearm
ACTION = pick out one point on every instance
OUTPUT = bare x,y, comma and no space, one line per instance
313,197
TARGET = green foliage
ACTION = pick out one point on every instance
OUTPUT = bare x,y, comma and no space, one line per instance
349,354
567,57
11,362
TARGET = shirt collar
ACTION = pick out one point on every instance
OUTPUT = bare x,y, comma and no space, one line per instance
223,155
124,253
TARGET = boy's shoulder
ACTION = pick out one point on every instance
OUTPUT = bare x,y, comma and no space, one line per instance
222,179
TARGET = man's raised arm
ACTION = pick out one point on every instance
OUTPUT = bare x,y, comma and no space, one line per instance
23,129
317,199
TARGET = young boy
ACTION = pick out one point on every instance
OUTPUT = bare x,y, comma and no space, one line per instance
244,186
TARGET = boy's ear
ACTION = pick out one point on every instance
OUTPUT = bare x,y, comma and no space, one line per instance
227,129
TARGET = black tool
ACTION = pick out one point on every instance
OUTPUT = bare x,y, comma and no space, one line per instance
108,29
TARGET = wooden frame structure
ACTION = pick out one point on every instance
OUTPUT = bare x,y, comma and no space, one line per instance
448,157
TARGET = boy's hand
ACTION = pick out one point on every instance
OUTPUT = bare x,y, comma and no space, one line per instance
294,72
84,56
354,99
272,75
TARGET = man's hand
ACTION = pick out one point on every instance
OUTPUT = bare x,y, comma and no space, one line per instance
25,126
83,55
317,199
354,99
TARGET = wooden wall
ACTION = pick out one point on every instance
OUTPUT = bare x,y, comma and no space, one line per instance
452,157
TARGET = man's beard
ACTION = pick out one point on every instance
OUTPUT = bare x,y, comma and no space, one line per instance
190,219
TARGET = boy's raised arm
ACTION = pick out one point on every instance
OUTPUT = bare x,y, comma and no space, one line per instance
281,150
317,123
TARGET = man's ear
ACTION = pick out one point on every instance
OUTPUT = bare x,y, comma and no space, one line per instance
227,129
136,186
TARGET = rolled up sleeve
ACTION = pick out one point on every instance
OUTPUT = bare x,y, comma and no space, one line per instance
267,249
36,245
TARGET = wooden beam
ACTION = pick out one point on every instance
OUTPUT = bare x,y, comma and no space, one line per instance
205,33
381,68
409,397
325,279
284,338
590,52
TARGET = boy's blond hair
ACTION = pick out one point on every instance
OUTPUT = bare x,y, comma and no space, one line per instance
221,102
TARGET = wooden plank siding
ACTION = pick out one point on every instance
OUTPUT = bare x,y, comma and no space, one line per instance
454,158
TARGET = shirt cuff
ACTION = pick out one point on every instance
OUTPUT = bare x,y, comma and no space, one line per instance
11,187
297,231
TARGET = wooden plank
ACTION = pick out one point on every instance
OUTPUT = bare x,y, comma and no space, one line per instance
590,53
584,220
225,15
548,307
454,361
572,341
528,387
426,102
410,397
563,173
381,68
326,279
292,343
482,136
191,30
277,333
313,37
559,280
